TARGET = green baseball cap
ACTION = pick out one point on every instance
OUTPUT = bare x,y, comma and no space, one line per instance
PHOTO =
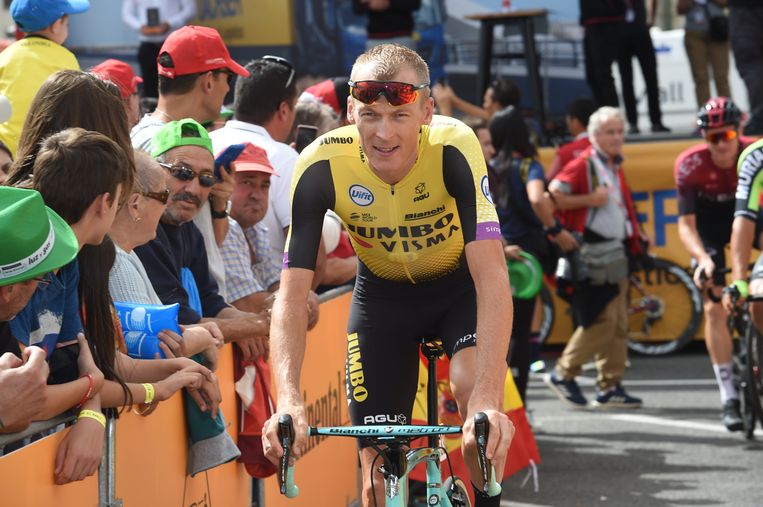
35,239
186,132
526,276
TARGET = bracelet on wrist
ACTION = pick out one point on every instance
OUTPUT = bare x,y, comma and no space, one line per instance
150,392
92,414
89,392
554,230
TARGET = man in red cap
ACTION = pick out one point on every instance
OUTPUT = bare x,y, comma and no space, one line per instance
194,67
122,75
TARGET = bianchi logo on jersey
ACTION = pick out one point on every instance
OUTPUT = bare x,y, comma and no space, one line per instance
484,184
360,195
424,214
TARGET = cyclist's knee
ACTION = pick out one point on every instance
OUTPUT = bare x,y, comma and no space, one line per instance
462,375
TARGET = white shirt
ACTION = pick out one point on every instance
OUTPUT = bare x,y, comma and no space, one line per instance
282,157
142,136
176,13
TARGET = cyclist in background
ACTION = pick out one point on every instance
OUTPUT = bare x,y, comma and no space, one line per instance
706,180
413,192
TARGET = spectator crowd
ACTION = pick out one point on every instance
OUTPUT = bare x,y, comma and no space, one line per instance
185,208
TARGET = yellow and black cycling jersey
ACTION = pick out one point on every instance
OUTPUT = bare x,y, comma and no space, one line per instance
414,230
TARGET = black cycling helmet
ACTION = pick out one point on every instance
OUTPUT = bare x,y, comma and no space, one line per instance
718,112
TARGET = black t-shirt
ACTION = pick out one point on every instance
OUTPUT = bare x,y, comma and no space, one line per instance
745,3
601,11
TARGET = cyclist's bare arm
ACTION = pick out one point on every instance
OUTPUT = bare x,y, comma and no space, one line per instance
687,232
742,239
287,346
487,266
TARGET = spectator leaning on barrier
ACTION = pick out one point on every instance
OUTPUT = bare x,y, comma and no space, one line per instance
122,75
599,206
154,20
265,106
176,261
27,63
38,241
194,67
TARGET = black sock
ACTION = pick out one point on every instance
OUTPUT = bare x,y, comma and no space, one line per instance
482,500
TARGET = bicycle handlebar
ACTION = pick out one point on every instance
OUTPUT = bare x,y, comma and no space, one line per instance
288,488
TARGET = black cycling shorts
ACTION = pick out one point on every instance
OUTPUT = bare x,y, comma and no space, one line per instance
386,324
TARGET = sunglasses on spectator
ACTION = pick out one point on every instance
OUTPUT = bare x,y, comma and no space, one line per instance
284,62
184,173
162,196
717,137
397,93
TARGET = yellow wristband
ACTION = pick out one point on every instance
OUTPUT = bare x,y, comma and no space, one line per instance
742,287
92,414
149,393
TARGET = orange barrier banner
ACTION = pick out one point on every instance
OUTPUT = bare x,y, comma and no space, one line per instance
327,475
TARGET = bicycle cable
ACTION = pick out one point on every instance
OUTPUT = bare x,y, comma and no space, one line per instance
373,466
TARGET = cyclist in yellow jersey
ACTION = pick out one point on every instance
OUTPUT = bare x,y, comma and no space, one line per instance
412,190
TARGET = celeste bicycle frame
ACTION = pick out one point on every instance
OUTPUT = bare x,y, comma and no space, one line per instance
391,443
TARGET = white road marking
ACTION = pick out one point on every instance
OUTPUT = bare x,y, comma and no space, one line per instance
507,503
672,423
588,381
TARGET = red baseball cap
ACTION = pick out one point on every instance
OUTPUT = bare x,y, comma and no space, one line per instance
253,158
196,49
119,73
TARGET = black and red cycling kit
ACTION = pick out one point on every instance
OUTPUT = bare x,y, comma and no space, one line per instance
708,192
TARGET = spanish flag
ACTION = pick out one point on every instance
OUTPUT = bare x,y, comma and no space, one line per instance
523,448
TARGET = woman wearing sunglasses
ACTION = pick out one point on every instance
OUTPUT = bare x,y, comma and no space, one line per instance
412,190
706,181
135,225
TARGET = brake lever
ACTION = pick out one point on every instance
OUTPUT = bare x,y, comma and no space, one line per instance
285,471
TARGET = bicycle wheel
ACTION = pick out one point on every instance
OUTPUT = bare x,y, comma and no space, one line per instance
457,492
664,309
746,409
754,378
547,321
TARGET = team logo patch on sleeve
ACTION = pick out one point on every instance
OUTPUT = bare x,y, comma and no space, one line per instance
360,195
486,189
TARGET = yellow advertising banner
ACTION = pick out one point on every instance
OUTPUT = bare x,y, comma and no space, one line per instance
248,22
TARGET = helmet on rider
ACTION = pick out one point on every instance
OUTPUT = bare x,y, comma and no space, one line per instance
718,112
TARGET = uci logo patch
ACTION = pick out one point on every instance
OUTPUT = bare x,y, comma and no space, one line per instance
486,189
360,195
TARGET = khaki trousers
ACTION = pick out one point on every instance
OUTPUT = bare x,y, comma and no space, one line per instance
703,52
606,340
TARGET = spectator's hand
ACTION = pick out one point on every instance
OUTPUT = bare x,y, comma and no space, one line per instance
214,330
566,241
22,392
271,445
313,309
172,344
252,348
79,453
207,396
706,266
164,389
86,364
223,189
512,252
599,197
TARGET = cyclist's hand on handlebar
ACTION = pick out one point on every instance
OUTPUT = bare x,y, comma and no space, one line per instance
704,271
730,297
500,434
271,444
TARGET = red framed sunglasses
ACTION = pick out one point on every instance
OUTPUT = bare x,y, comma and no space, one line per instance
396,93
717,137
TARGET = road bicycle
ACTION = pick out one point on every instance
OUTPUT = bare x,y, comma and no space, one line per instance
393,447
664,308
747,360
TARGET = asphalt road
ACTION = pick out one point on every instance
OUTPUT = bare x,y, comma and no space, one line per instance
671,452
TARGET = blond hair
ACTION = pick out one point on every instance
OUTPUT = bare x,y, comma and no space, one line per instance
387,60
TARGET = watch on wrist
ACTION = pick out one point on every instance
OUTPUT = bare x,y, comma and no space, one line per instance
554,229
218,214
